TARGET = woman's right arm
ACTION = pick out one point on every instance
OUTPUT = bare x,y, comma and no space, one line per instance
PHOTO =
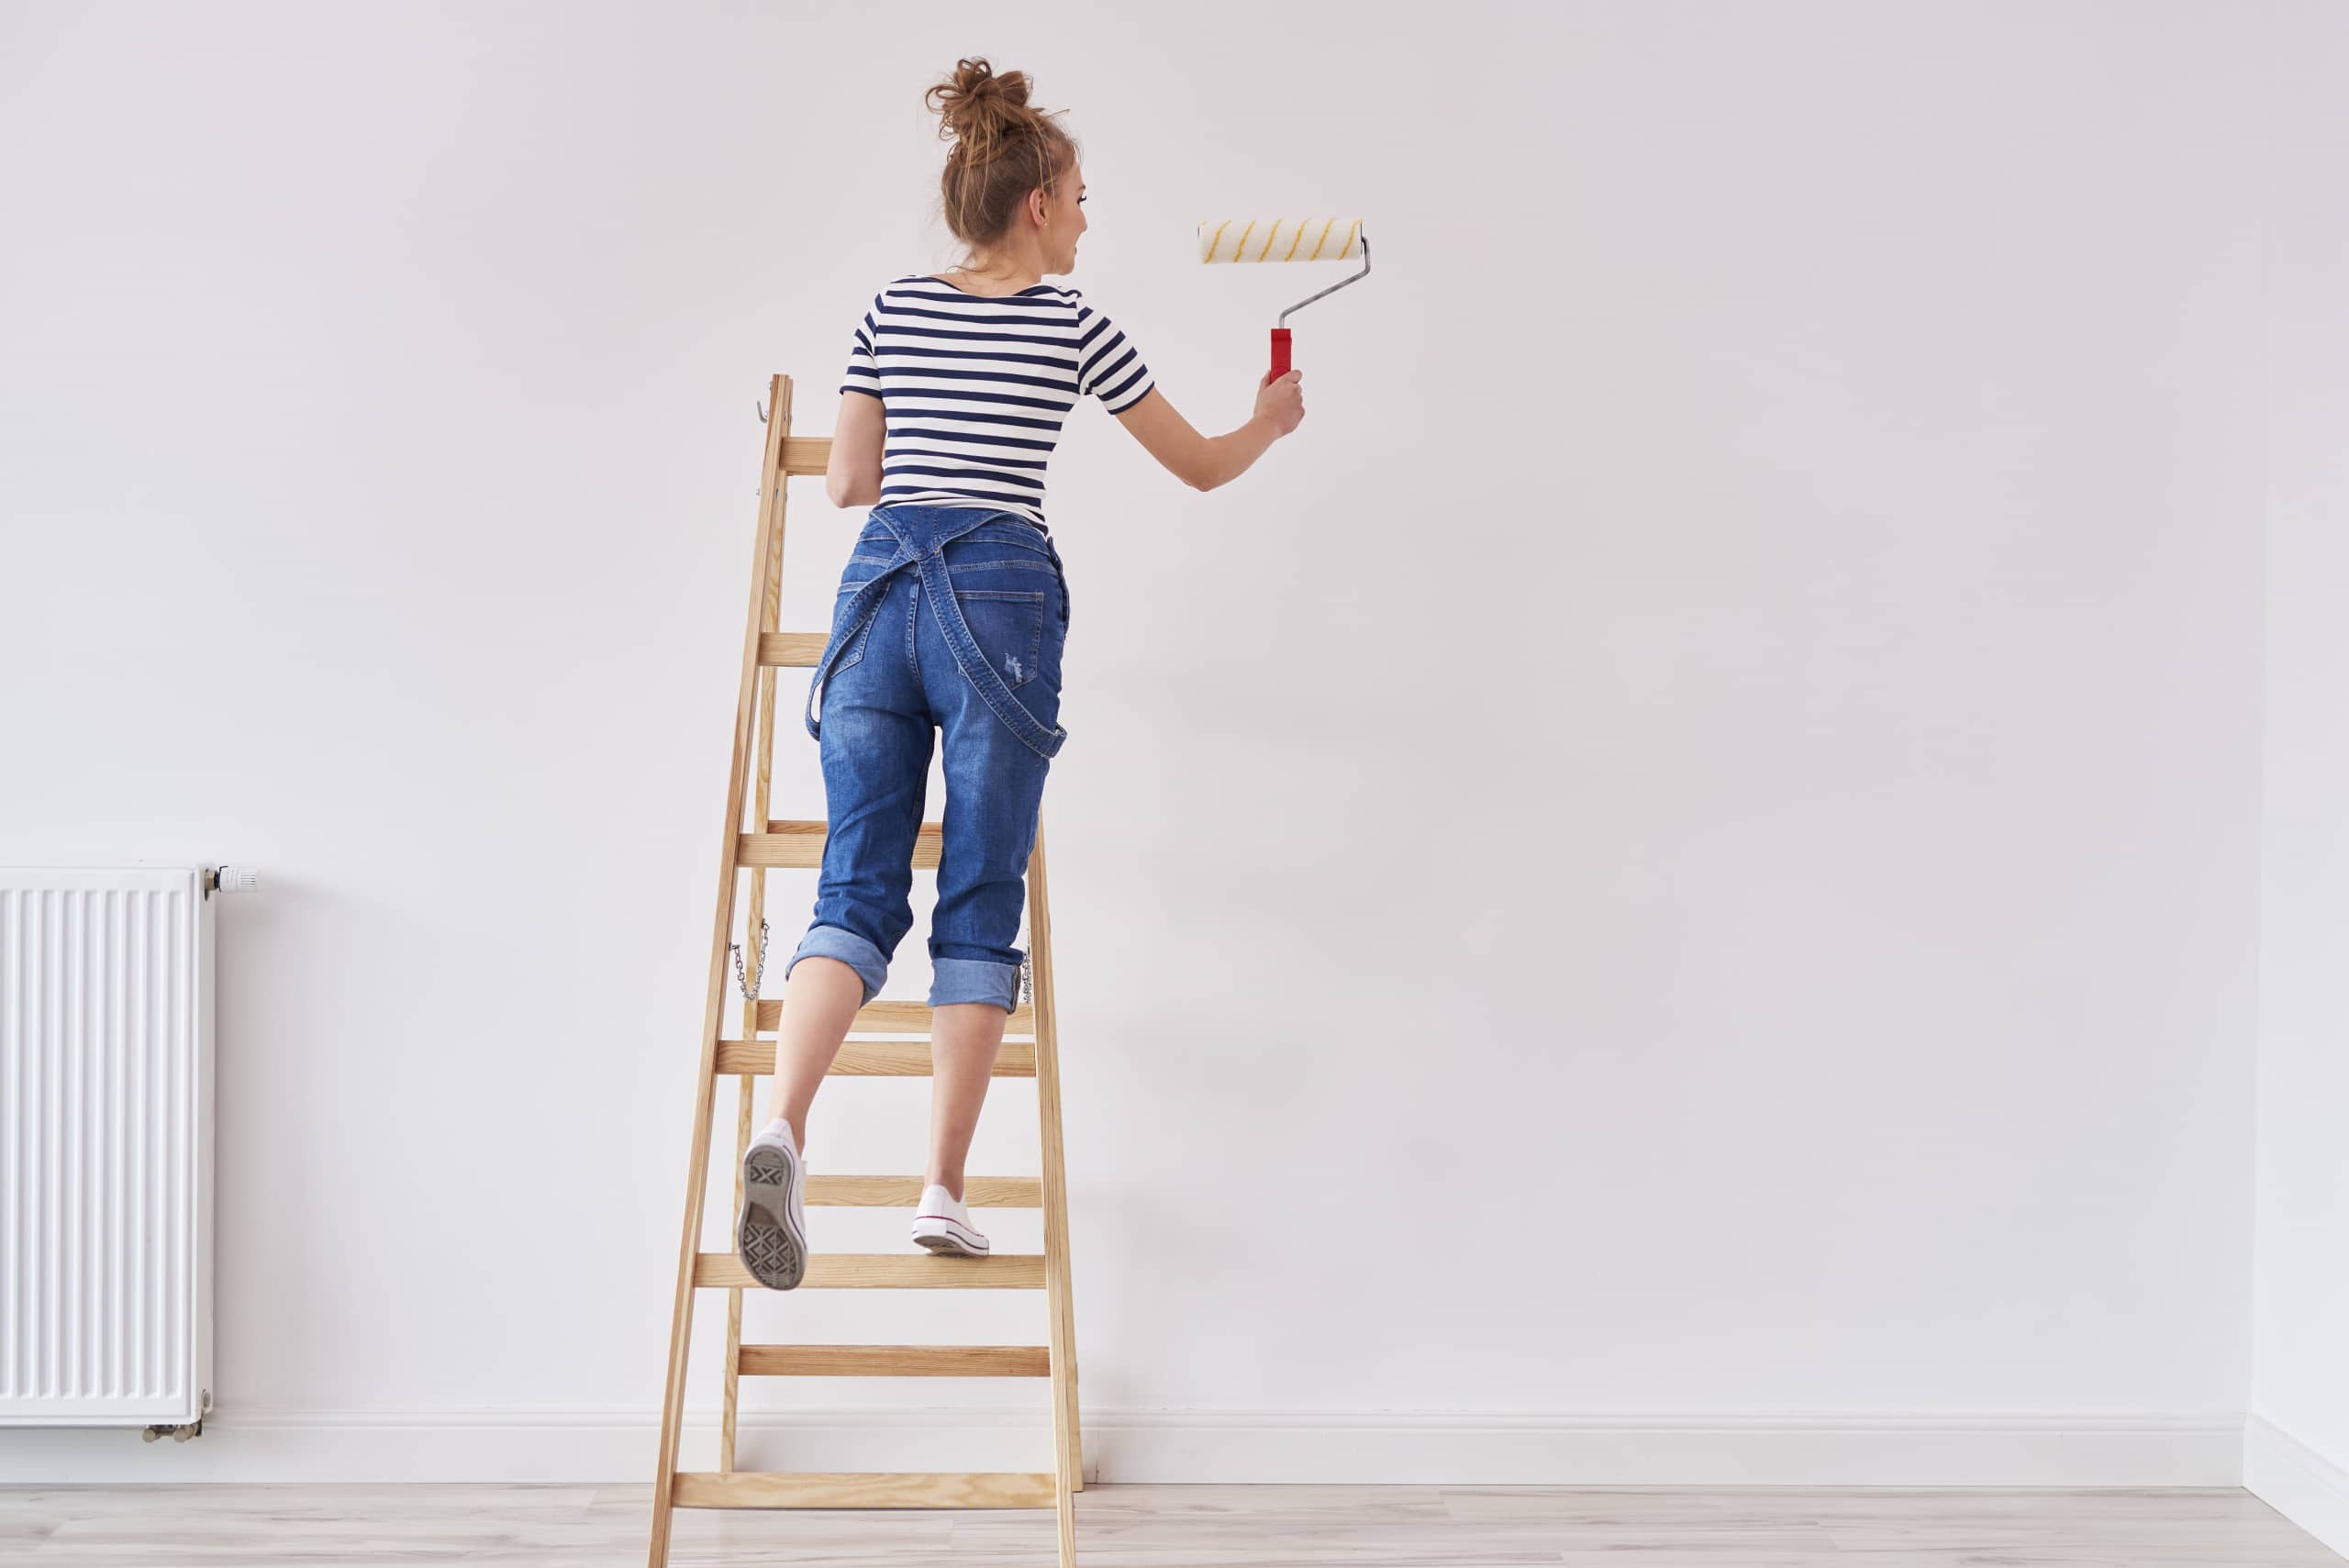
1204,462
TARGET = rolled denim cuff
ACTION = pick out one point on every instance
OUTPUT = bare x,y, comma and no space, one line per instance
974,980
833,941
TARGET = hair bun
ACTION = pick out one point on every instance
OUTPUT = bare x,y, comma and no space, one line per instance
979,109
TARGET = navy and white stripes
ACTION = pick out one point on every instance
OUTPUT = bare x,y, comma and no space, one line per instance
974,389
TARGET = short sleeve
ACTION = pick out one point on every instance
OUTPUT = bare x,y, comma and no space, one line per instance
864,374
1108,366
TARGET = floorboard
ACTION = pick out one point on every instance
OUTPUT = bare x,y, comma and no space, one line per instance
1171,1526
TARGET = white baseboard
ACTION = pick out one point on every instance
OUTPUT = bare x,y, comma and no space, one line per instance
2296,1482
1372,1448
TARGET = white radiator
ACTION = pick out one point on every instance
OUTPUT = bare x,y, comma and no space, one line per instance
106,1147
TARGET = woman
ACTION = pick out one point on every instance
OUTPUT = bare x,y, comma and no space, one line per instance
951,616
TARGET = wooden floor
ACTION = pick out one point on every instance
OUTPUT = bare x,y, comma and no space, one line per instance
1173,1527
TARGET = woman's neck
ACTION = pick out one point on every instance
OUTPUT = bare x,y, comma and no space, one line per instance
993,278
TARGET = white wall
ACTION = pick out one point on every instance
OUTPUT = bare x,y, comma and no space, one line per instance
1669,891
2298,1451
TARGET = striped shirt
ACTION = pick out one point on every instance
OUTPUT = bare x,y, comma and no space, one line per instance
974,389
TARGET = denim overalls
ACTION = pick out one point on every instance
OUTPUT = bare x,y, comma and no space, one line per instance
950,619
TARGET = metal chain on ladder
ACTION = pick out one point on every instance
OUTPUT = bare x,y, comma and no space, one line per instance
1026,961
750,983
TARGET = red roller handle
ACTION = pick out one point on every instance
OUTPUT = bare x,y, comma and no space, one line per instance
1280,355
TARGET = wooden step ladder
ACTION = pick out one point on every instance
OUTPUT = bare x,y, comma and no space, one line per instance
751,847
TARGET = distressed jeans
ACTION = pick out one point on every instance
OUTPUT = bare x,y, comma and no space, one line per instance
950,622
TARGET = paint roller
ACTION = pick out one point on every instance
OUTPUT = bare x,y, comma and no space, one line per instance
1287,239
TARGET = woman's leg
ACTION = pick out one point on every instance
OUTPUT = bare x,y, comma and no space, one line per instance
963,1045
820,1001
981,887
877,741
995,781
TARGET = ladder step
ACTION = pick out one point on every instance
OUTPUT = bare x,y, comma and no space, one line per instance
792,649
863,1489
896,1361
903,1192
885,1271
895,1018
873,1059
800,846
805,454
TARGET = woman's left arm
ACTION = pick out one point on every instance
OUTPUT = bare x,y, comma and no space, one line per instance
852,476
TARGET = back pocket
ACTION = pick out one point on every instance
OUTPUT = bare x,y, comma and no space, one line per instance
1008,626
851,647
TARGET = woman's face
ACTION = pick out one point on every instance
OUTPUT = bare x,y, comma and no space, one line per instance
1064,220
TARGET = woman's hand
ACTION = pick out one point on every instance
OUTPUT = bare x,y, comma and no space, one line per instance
1281,401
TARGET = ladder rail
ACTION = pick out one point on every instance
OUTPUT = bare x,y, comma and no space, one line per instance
754,962
771,503
1068,1447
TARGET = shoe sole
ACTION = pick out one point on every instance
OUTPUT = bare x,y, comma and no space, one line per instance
772,1247
952,1238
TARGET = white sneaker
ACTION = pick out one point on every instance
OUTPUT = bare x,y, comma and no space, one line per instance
770,1234
944,1225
